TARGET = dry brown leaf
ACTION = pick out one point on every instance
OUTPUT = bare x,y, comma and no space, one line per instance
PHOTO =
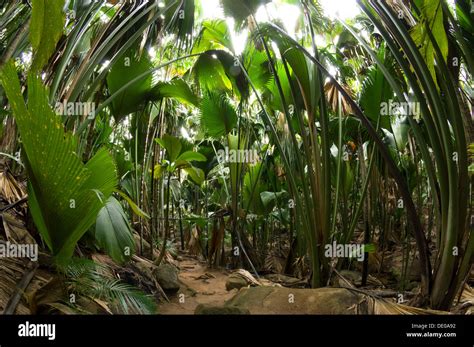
10,189
247,276
385,307
15,230
104,305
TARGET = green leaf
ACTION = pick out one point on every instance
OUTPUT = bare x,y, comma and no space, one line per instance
137,210
126,299
303,72
252,189
273,96
65,195
195,219
180,20
125,69
172,145
215,34
196,175
158,172
113,232
431,16
376,90
210,73
256,63
176,88
239,85
347,177
192,156
218,116
400,132
269,199
94,280
370,248
46,28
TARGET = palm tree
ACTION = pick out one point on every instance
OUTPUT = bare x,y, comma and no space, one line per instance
361,127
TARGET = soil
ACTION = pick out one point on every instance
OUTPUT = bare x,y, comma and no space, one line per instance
200,285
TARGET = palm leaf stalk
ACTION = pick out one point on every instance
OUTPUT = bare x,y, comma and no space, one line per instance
452,175
393,169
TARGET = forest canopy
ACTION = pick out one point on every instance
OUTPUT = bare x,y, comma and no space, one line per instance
154,149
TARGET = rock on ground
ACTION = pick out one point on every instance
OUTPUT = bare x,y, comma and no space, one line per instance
239,279
280,300
235,282
167,277
202,309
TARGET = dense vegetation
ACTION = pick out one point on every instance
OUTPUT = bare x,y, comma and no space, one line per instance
142,129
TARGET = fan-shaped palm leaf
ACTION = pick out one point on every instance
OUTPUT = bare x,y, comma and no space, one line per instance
65,195
218,116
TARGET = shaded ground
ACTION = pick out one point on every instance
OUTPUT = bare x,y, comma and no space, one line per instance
207,286
200,285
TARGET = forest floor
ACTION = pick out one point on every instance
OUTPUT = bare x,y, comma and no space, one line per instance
200,285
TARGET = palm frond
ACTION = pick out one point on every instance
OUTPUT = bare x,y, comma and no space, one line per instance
65,195
97,281
218,116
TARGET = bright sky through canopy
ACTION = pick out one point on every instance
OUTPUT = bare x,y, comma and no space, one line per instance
345,9
288,14
340,8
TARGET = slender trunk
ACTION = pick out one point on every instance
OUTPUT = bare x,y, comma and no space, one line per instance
167,221
180,216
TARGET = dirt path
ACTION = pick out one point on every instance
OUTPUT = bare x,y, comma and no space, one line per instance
200,285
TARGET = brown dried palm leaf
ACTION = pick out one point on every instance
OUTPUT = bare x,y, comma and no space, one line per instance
12,271
10,189
403,10
48,296
465,302
216,242
8,138
64,309
382,306
467,295
193,243
274,263
333,95
247,276
15,230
